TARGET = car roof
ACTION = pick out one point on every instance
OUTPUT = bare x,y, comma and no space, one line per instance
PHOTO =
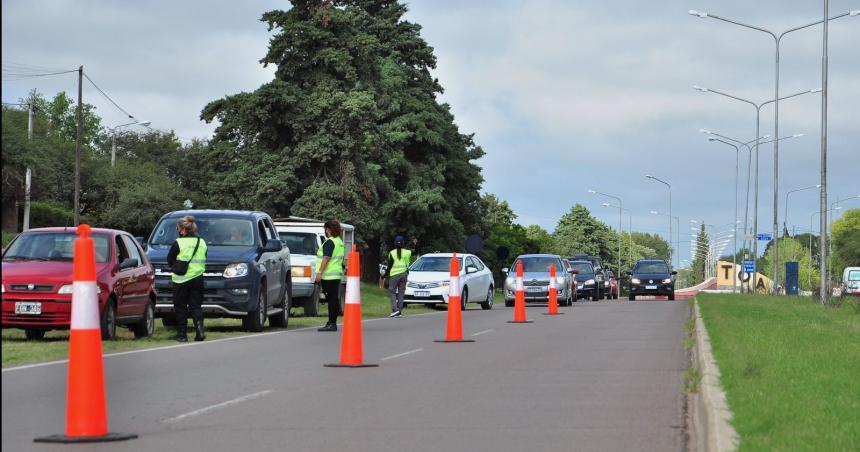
526,256
73,230
205,213
650,260
580,261
448,255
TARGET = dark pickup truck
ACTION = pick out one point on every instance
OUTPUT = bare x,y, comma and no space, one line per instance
247,268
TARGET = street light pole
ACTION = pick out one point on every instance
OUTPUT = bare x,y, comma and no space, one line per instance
78,138
620,220
113,138
671,253
734,254
629,227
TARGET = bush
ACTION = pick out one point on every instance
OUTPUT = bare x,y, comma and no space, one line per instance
7,237
50,214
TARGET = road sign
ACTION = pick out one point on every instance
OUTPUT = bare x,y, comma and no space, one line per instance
765,236
749,266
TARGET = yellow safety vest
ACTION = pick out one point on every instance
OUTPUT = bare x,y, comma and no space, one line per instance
334,269
402,264
196,264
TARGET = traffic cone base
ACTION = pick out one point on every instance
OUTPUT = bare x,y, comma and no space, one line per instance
521,321
454,340
64,439
553,313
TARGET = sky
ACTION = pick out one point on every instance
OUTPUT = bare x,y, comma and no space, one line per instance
563,96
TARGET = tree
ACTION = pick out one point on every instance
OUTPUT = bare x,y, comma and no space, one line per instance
540,238
846,241
659,247
579,232
349,128
700,261
791,249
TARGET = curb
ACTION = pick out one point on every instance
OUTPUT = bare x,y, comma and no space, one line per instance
711,416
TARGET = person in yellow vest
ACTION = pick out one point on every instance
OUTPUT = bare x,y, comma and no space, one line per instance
330,271
188,285
398,271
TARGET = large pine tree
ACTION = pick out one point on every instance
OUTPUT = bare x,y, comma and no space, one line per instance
350,128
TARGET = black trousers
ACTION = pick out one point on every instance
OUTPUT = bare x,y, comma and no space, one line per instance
188,296
331,289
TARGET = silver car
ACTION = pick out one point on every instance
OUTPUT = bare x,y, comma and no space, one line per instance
536,279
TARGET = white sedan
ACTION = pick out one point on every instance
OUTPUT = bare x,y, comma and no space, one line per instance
429,280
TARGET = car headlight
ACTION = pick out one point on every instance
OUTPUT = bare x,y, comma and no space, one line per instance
236,270
635,281
589,282
297,272
559,280
667,281
69,288
509,281
445,283
606,283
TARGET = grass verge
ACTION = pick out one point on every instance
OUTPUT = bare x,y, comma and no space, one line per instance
16,350
789,368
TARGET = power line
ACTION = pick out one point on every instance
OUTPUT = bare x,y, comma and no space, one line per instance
108,97
9,76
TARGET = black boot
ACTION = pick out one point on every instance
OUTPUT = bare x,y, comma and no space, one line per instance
181,334
201,335
328,327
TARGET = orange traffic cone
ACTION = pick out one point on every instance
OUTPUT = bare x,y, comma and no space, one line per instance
455,315
552,307
520,298
351,350
86,406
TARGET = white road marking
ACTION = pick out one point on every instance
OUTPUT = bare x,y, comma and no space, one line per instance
402,354
481,332
219,405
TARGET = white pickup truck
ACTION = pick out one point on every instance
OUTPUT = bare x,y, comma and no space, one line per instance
303,236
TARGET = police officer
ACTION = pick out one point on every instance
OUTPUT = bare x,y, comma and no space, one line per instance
398,271
330,271
188,287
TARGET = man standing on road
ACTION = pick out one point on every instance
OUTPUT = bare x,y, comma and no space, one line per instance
330,271
398,271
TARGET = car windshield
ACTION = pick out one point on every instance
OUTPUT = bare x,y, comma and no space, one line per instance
215,231
53,246
537,264
854,275
651,267
582,267
433,264
300,242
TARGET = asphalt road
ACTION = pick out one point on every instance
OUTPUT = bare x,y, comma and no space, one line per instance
605,376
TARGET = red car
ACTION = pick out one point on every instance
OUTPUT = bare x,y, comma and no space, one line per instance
37,282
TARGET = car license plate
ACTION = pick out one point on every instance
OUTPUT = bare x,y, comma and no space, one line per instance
651,287
534,289
28,308
579,287
422,293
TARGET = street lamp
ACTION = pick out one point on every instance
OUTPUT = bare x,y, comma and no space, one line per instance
671,254
629,228
113,138
734,254
620,227
777,40
677,228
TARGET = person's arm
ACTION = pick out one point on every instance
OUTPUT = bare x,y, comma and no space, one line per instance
171,255
328,251
388,266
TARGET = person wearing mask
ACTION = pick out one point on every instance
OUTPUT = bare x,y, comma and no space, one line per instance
398,271
330,271
188,286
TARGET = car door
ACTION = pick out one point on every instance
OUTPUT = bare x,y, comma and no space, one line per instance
267,261
484,276
123,278
280,263
473,280
136,292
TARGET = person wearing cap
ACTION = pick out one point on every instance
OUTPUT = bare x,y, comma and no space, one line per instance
397,272
330,271
188,287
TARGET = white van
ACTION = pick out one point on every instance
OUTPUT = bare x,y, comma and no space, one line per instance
851,281
304,236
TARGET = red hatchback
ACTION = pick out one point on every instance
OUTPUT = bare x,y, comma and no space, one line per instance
37,282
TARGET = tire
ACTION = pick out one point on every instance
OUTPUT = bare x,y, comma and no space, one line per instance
256,318
169,321
282,319
34,335
672,296
631,297
429,305
312,303
463,297
595,296
509,303
487,305
146,326
108,321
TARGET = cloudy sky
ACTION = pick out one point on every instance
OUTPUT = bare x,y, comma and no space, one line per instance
564,96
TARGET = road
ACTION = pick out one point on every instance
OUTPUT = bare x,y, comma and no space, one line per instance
604,376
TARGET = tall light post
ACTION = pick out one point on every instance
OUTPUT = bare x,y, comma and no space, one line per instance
787,194
775,142
629,227
777,41
677,228
735,253
620,219
671,254
113,138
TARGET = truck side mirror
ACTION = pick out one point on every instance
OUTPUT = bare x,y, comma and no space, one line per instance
142,242
273,246
506,270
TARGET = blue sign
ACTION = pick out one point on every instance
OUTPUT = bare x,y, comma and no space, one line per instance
765,236
749,266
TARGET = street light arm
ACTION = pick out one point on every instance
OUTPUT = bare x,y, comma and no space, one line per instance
752,27
709,90
809,91
849,13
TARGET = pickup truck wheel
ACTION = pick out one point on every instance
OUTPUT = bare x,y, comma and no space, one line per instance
34,335
256,317
146,326
281,319
312,303
108,321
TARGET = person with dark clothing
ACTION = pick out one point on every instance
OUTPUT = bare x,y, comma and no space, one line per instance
397,271
330,271
189,251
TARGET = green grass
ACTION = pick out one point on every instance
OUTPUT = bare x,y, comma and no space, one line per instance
16,350
790,368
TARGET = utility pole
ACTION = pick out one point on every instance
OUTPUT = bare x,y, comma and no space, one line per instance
78,139
824,291
29,175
